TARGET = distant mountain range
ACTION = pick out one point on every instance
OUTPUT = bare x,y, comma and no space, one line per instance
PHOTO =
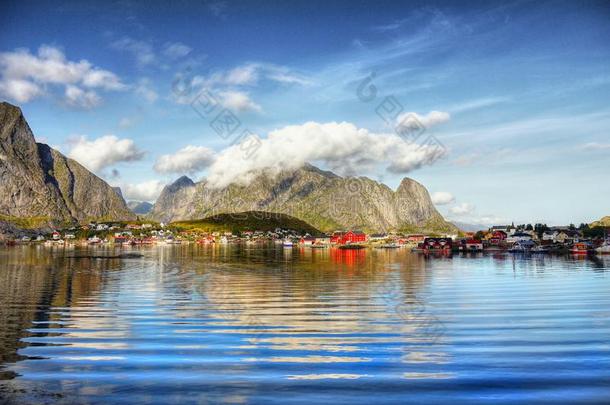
466,227
321,198
140,207
40,186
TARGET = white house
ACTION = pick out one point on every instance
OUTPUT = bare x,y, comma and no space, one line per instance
518,237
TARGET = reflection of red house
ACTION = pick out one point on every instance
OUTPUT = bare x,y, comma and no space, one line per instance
348,257
343,238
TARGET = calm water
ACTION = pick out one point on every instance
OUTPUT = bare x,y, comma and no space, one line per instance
192,324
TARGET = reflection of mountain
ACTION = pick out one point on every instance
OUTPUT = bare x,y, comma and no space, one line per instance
32,282
315,298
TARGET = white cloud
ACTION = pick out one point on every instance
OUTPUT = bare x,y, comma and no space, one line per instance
144,89
429,120
77,97
462,209
466,160
217,8
190,159
141,50
238,101
247,74
127,122
143,191
252,73
176,50
477,104
442,198
20,90
342,147
103,152
25,76
595,146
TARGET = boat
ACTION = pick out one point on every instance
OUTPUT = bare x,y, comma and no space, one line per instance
318,246
94,240
603,249
522,246
540,249
580,249
287,243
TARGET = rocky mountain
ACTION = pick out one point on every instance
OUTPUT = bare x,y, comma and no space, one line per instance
321,198
140,207
39,185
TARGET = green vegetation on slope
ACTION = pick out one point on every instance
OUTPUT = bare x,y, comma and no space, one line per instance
26,222
605,222
246,221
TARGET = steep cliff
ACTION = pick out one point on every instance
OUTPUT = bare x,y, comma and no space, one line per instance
40,184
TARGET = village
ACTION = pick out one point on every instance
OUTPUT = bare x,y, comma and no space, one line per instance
538,239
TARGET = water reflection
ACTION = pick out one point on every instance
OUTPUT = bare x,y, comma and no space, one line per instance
238,323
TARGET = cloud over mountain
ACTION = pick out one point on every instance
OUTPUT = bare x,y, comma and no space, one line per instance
190,159
342,147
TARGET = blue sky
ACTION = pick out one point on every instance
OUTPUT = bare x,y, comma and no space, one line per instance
517,93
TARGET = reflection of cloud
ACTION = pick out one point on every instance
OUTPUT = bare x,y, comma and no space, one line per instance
326,376
426,357
91,358
312,359
428,375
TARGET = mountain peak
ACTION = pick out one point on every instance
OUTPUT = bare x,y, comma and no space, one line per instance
311,168
38,181
318,197
182,181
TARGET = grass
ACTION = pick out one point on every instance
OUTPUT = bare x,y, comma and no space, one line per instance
26,222
246,221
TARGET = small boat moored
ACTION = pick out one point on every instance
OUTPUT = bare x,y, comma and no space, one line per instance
580,249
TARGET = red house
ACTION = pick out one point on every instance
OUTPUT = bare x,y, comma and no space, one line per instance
437,244
497,237
342,238
416,238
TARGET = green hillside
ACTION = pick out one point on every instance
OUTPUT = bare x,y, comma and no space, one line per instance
246,221
605,222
